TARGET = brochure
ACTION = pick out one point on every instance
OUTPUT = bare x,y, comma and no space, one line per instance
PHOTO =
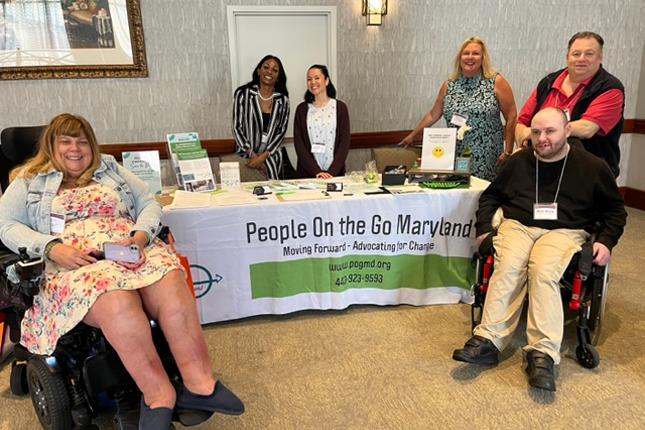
181,142
195,169
146,165
229,174
438,151
190,162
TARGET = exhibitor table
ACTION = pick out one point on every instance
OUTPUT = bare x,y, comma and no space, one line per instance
276,257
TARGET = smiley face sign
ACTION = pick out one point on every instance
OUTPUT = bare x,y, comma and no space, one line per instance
438,151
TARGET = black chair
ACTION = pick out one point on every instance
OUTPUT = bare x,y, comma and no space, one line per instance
16,145
583,287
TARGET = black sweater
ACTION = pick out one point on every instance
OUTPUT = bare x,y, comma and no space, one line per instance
588,194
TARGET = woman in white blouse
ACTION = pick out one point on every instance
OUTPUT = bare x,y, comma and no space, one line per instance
321,128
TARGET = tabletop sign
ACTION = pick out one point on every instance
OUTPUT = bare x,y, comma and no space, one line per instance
438,151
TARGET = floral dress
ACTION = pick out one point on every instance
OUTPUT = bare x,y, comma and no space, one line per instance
476,98
93,215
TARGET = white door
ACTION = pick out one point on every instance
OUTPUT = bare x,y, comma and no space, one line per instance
298,35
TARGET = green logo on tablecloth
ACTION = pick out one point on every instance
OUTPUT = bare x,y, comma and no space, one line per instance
324,275
204,286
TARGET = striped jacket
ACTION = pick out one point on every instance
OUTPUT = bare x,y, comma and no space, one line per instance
247,126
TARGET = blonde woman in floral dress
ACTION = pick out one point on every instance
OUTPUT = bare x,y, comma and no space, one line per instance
63,204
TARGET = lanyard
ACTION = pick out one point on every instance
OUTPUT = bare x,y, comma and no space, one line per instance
557,191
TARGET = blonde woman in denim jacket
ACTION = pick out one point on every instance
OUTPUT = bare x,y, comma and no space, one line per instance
63,204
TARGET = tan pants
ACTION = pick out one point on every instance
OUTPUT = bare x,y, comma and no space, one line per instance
533,259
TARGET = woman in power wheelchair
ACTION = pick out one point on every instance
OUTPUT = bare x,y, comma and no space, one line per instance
63,205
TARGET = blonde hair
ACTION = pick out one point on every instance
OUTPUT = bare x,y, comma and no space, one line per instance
66,124
487,68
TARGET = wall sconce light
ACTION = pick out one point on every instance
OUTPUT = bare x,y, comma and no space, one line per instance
374,10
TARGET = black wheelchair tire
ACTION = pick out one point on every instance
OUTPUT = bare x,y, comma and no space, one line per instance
49,396
18,381
587,356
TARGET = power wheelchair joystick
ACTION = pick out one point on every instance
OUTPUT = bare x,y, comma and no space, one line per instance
20,280
29,271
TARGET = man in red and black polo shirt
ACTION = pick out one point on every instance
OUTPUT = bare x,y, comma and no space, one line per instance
592,98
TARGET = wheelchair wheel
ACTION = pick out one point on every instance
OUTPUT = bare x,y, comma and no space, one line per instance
587,356
49,396
18,382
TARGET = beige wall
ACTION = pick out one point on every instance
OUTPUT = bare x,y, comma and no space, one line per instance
389,76
636,155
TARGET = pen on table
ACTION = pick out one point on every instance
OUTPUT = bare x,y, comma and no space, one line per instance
282,193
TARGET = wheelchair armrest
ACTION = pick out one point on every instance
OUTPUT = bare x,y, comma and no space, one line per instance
585,259
7,257
163,234
486,247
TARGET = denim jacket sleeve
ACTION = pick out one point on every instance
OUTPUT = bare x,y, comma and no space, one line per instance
147,211
16,229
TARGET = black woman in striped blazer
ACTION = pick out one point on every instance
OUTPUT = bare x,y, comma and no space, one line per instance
260,117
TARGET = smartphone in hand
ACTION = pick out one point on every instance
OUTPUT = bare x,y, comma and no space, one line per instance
118,252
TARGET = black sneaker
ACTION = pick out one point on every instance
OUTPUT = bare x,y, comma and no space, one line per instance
540,370
478,350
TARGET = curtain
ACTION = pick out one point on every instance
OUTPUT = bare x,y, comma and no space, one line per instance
120,26
32,25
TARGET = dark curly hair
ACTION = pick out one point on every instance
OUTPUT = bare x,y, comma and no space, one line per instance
280,84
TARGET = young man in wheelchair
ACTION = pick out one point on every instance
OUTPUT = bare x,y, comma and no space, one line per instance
550,195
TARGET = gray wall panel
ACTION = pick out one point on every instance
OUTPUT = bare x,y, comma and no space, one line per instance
388,75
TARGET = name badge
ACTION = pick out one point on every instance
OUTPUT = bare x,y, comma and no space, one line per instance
317,148
57,223
548,211
459,119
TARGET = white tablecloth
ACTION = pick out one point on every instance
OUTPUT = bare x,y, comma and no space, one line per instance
273,257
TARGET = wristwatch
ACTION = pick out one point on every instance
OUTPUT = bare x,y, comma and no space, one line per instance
49,247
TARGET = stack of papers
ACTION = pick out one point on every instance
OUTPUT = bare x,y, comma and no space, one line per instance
187,200
233,198
302,196
404,189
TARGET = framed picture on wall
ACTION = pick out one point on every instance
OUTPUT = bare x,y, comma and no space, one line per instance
45,39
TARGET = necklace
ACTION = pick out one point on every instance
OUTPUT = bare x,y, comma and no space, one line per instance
266,99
